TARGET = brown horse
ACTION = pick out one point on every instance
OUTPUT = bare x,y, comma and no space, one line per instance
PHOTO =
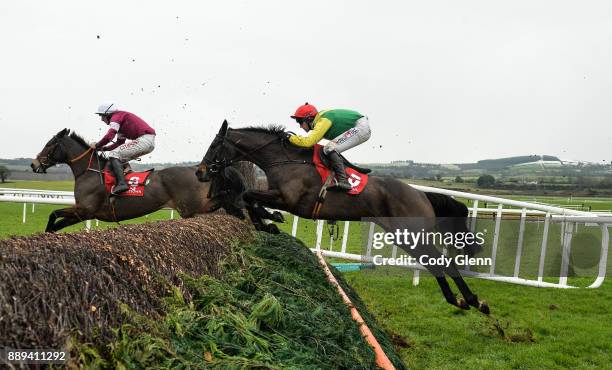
294,184
173,187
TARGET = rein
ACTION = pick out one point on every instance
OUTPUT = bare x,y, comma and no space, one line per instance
82,155
89,163
221,164
44,160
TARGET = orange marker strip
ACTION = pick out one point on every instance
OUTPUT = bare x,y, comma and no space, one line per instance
381,358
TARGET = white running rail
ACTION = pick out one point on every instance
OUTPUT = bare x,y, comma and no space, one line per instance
569,219
35,196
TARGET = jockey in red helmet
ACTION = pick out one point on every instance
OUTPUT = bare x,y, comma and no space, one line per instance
124,125
342,127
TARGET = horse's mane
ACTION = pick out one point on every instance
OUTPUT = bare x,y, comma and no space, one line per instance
277,130
79,139
274,129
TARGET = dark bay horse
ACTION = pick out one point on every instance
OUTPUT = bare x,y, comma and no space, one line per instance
173,187
294,184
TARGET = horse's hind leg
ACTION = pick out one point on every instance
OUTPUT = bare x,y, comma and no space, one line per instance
449,295
471,298
438,273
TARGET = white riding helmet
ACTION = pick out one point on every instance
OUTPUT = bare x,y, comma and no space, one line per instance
107,108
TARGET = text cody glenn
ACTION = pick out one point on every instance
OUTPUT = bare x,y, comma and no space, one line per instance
425,260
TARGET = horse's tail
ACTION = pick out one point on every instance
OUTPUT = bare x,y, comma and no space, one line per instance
452,216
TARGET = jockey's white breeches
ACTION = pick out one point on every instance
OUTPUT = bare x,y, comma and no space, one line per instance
353,137
133,149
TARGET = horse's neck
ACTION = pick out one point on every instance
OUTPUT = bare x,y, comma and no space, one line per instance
81,166
274,153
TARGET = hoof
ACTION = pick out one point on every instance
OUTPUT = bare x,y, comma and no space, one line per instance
278,217
239,214
461,303
484,308
272,229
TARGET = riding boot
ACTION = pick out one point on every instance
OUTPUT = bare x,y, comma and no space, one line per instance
117,169
337,164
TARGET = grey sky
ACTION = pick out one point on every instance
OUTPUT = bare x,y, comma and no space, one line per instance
441,81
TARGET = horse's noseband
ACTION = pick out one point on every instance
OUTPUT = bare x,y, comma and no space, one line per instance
214,167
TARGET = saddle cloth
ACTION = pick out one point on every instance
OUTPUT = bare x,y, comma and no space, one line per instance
357,179
135,180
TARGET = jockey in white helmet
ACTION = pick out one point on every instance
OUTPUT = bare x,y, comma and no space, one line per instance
124,125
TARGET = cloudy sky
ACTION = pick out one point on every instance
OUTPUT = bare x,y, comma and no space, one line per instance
441,81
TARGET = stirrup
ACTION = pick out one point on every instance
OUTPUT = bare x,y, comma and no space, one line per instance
113,192
337,185
127,168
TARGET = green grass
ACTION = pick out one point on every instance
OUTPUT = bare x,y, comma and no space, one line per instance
11,222
530,328
40,185
542,328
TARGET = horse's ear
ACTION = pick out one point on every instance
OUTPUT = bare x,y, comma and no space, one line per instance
62,133
223,130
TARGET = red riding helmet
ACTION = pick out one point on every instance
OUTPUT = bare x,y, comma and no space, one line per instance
304,111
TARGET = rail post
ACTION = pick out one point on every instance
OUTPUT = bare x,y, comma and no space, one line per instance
345,236
543,247
295,225
519,247
498,218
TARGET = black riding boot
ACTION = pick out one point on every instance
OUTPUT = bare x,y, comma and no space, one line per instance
117,168
337,165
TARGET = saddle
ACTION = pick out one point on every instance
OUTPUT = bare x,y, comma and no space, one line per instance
135,180
357,177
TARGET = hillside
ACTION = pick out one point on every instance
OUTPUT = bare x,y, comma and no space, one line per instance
525,166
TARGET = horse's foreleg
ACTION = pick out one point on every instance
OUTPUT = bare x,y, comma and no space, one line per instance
70,216
54,216
257,214
65,222
263,213
51,222
255,200
267,198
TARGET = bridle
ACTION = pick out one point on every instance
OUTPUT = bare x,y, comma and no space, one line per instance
220,164
47,161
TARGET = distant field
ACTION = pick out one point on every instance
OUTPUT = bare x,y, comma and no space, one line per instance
41,185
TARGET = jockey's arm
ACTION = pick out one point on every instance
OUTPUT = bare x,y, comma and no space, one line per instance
110,135
120,141
314,136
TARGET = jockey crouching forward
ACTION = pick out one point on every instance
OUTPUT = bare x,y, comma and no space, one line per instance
342,127
124,125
